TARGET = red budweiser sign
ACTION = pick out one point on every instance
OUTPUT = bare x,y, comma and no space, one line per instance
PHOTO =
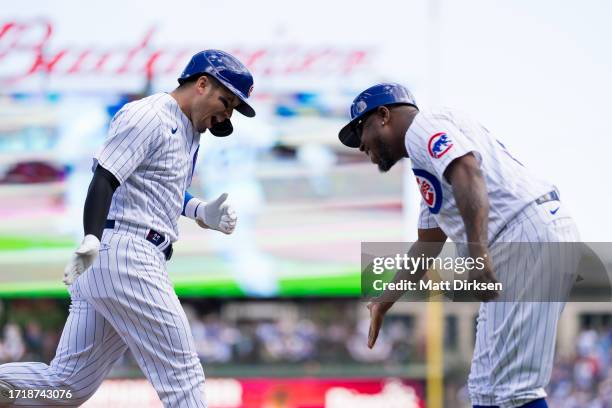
29,49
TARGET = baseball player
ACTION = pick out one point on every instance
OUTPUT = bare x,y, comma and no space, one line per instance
121,294
478,195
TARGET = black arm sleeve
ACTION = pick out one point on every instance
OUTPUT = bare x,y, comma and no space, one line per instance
98,201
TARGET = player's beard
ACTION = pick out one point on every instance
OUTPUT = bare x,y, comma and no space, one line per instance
385,157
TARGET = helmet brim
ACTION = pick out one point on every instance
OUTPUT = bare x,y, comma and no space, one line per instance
244,107
348,135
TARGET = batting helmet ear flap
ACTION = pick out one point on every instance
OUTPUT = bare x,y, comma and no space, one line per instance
222,129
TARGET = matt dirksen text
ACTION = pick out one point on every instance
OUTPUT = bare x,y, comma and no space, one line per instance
405,285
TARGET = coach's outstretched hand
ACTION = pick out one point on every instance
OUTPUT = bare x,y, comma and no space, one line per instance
377,314
82,259
217,215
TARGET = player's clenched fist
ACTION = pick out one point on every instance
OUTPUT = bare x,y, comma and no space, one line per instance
217,215
82,259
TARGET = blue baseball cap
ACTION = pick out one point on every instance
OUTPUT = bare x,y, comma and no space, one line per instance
367,101
228,70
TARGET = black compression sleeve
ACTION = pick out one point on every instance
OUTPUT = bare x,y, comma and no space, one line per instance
98,201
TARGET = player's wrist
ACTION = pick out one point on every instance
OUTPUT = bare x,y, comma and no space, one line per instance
194,209
90,243
477,248
383,303
90,239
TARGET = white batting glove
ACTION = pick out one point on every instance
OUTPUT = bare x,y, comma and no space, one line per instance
217,215
82,259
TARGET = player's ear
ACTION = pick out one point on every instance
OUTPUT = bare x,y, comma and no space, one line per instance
384,114
202,83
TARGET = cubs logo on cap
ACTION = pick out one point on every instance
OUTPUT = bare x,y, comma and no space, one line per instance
439,144
360,106
430,189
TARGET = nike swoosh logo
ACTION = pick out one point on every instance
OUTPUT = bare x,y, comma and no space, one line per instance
174,130
553,212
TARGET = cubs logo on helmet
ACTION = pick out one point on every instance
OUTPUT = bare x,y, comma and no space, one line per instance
430,188
439,144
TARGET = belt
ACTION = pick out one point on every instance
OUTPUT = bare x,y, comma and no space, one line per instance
551,196
152,236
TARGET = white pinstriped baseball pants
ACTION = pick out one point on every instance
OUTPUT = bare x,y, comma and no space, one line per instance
515,340
125,300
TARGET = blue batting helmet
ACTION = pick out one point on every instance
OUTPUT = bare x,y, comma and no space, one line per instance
231,73
367,101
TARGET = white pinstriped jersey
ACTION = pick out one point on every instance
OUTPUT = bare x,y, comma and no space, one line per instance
125,299
437,137
151,149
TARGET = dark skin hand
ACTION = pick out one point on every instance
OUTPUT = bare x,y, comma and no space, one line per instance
429,243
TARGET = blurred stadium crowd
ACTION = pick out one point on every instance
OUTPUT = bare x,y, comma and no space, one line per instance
330,335
319,333
306,339
584,380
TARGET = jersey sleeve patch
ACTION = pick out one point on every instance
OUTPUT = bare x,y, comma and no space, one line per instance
430,189
427,220
439,144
